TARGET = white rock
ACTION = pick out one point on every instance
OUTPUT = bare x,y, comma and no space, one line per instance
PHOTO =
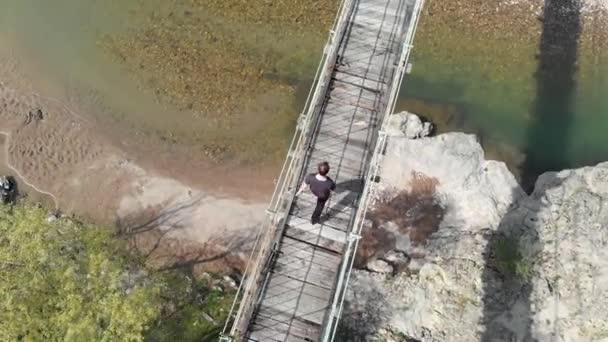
379,266
230,282
478,191
415,265
208,318
562,237
408,125
395,257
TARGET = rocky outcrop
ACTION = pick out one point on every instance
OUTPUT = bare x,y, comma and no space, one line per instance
410,125
503,266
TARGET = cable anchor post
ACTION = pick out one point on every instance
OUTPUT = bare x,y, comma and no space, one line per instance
352,237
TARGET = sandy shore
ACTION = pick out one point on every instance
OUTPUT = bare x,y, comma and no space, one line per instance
63,160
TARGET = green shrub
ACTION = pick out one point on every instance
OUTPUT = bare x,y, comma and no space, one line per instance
64,280
510,260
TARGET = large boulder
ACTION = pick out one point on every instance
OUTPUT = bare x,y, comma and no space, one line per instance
478,191
408,124
568,214
503,266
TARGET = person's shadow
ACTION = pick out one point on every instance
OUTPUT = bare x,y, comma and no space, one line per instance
344,199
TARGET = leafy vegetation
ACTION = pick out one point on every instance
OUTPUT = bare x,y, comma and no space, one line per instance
510,260
193,310
63,280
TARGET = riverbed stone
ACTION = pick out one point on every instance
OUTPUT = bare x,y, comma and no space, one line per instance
395,257
408,124
379,266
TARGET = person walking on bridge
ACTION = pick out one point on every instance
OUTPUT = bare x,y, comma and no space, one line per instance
321,186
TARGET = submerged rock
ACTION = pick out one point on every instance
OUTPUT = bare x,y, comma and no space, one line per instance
410,125
503,266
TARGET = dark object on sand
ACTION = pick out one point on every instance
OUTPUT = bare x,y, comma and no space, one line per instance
8,189
35,116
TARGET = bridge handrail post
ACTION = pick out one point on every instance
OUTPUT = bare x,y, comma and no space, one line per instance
289,176
331,322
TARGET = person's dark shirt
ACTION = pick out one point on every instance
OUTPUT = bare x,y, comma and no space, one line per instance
320,188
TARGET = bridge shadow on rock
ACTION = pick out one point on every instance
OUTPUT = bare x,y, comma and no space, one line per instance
509,262
362,315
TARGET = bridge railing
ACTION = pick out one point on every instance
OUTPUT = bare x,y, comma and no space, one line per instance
332,320
253,281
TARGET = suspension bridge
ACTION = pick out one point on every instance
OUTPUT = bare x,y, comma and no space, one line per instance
295,282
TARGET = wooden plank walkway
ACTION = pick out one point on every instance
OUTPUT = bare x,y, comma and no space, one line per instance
297,295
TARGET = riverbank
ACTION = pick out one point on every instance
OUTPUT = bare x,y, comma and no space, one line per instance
185,164
217,92
482,63
61,160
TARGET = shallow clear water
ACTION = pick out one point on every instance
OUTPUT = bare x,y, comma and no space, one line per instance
535,91
61,45
56,43
478,81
